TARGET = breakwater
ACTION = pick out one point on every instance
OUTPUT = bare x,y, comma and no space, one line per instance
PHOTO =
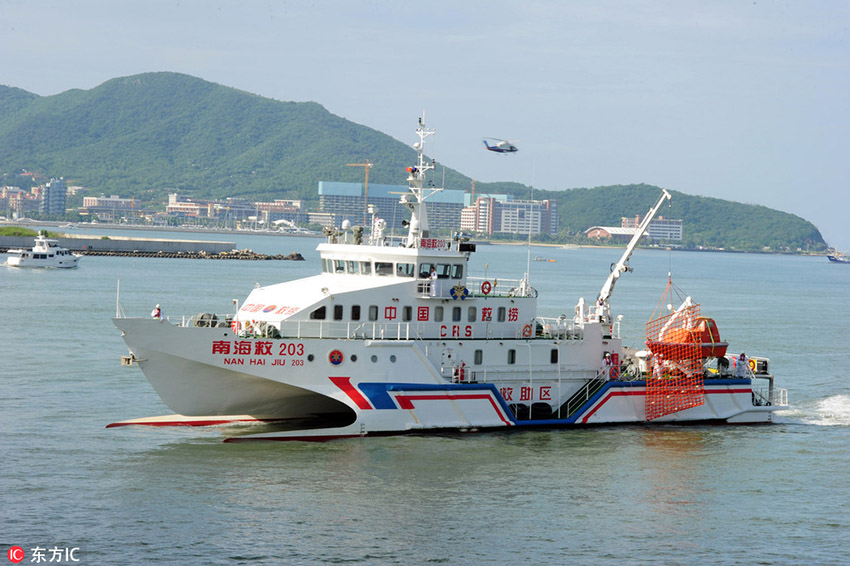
144,247
233,254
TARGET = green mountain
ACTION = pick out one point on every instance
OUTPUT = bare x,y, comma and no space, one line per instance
155,133
707,222
151,134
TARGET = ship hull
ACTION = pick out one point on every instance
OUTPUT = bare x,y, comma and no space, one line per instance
356,387
68,262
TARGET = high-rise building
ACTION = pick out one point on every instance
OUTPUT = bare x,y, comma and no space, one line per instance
54,197
492,214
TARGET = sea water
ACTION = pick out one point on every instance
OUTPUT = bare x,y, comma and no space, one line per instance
638,494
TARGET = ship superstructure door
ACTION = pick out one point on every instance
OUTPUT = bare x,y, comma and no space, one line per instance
447,363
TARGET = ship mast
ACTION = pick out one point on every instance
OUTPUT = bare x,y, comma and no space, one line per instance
415,200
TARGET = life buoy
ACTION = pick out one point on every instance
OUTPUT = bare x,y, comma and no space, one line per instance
752,364
486,287
526,330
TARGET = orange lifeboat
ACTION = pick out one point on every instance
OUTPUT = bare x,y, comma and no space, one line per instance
702,334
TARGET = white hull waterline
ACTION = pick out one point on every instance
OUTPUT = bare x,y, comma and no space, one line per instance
392,339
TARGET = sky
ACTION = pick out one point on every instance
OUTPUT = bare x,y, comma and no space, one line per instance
746,101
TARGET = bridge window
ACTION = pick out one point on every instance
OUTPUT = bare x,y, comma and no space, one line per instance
471,314
438,314
405,269
443,270
406,314
457,271
553,356
425,270
352,267
383,268
337,312
511,357
456,314
355,312
500,314
339,266
365,268
479,357
373,312
318,314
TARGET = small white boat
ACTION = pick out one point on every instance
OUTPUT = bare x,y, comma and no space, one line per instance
45,253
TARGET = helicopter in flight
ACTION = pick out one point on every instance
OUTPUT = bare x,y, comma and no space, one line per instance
500,145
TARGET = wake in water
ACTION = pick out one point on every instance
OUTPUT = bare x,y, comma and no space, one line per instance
831,411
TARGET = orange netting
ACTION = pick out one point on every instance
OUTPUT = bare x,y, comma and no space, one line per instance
674,381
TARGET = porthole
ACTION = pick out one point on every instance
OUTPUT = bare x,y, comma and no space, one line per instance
392,358
310,357
353,357
374,359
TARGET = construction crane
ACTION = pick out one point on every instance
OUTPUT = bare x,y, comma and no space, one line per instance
366,166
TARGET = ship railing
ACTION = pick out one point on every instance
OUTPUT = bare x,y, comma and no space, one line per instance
495,287
475,287
538,328
769,396
349,330
584,394
308,328
513,375
435,289
766,397
558,328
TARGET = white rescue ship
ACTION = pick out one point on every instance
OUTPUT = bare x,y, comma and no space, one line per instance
400,338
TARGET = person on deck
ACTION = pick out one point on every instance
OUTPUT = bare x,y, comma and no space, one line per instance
600,310
433,277
741,366
608,364
156,313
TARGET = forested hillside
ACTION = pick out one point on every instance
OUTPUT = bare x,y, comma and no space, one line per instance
708,222
147,135
150,134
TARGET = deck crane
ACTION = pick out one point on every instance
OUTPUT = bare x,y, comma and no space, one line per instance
603,308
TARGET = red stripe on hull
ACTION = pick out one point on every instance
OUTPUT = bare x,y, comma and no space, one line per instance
344,383
406,401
